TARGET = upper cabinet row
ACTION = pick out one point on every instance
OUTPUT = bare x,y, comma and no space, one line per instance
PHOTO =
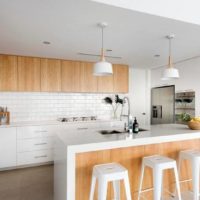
30,74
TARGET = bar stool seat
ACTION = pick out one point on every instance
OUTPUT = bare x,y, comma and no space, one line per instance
194,157
159,161
109,172
158,164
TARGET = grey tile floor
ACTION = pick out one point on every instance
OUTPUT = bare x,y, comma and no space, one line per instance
34,183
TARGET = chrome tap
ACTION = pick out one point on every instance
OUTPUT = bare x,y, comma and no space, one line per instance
128,116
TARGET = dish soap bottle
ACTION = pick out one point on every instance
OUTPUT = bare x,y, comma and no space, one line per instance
135,126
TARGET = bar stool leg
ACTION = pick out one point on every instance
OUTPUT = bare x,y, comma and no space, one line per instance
195,179
141,181
177,183
102,189
157,182
116,186
93,183
127,187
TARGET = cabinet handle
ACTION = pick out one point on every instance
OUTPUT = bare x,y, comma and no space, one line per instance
82,128
44,143
45,131
43,156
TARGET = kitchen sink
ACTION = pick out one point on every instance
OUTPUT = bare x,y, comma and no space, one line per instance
109,132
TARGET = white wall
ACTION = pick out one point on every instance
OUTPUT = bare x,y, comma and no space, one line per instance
139,94
189,79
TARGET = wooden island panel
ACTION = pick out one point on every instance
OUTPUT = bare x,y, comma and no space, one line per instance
131,158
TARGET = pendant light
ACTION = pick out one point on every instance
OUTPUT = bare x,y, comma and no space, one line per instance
102,68
170,73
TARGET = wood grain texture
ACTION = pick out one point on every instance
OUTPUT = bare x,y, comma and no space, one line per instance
105,84
8,73
121,78
70,76
131,158
28,74
50,75
88,81
85,163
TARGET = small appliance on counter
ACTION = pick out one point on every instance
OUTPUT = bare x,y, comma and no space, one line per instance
77,119
4,116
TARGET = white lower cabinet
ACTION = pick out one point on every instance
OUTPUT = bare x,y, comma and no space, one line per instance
35,144
7,147
36,131
26,145
34,157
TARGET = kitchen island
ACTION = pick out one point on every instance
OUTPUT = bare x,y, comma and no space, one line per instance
78,151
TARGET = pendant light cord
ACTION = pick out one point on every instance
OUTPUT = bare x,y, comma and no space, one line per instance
170,59
102,38
102,44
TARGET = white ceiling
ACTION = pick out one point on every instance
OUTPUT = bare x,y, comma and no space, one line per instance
183,10
70,26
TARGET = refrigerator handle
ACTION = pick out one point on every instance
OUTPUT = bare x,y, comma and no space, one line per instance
160,111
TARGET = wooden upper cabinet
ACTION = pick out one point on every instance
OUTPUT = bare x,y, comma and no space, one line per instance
70,76
8,73
50,75
121,78
105,84
88,80
28,74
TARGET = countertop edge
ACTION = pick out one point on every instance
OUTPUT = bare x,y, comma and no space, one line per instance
81,148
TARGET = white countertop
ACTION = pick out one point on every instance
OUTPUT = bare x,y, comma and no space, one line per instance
52,122
92,140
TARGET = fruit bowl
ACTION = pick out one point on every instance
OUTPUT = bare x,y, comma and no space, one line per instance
194,125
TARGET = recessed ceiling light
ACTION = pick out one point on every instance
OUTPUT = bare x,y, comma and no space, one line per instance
46,42
156,55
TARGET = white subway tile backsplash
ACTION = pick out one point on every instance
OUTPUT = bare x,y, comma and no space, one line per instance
49,106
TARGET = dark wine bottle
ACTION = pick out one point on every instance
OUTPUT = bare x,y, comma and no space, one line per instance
135,126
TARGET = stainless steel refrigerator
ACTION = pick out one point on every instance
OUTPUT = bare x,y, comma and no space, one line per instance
163,105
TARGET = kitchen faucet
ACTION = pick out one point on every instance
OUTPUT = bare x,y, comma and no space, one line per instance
128,116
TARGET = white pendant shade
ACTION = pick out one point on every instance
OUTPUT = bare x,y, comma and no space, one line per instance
102,68
170,74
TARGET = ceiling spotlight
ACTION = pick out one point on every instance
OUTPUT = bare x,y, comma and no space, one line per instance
46,42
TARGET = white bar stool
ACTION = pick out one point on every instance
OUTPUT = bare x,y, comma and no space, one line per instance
158,164
194,157
109,172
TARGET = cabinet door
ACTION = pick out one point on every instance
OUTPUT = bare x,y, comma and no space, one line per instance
88,80
70,76
8,73
121,78
7,147
105,84
28,74
50,75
